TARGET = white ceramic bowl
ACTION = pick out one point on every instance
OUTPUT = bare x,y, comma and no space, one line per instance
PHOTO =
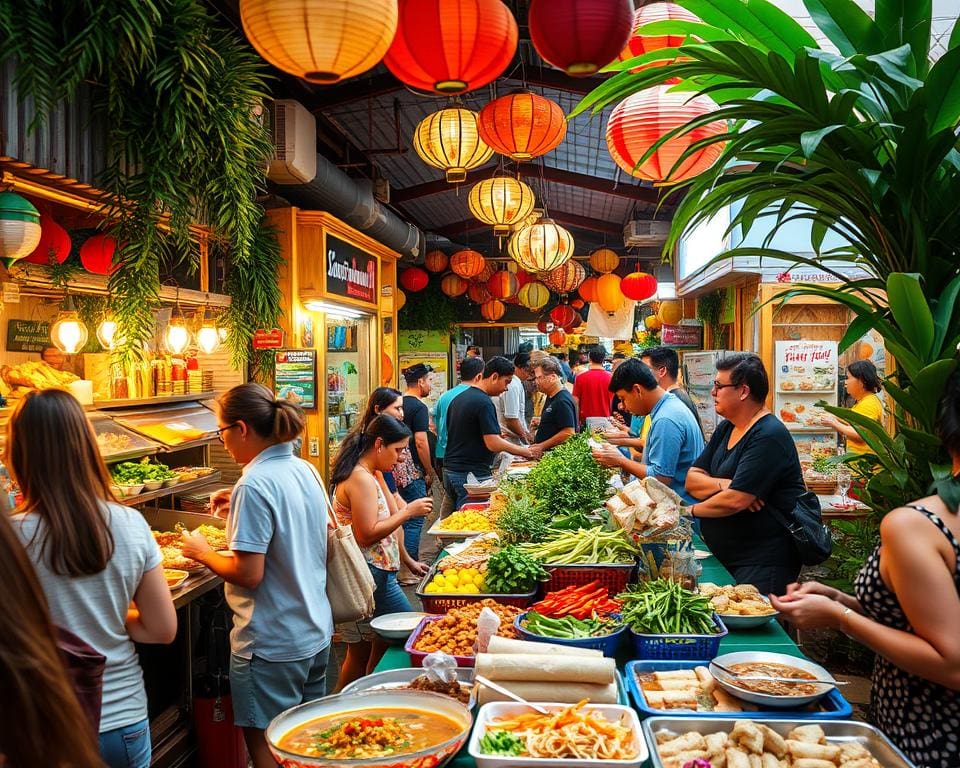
397,626
736,621
153,485
131,489
766,699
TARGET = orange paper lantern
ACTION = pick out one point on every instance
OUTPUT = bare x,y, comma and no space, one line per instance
478,293
604,260
454,285
503,285
522,125
534,295
400,301
577,303
452,46
588,290
565,278
579,36
492,310
558,337
467,263
638,286
488,270
436,261
670,312
609,296
640,120
638,45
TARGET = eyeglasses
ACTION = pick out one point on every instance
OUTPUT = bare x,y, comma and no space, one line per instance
219,432
717,386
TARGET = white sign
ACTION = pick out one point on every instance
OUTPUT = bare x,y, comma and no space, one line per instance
805,372
11,293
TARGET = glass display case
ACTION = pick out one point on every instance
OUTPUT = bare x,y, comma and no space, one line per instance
348,375
173,426
117,443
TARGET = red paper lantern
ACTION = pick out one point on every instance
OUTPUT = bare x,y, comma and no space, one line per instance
575,322
436,261
523,277
638,286
558,337
640,120
96,254
467,263
522,125
577,303
488,271
54,243
580,36
588,289
478,294
503,285
454,285
414,279
492,310
545,324
638,45
563,315
566,277
452,46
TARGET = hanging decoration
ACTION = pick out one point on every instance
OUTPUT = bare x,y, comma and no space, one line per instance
322,41
478,293
96,254
638,45
501,202
452,46
638,286
467,263
577,303
575,322
414,279
580,36
436,261
449,140
492,310
208,334
609,296
558,337
640,120
400,301
604,260
541,247
503,285
488,270
54,245
522,125
670,312
565,278
107,331
453,285
563,315
545,324
523,277
177,336
68,333
20,229
588,289
534,295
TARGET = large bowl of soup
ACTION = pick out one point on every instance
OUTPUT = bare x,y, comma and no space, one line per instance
373,729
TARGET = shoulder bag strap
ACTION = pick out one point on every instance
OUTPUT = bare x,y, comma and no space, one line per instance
323,490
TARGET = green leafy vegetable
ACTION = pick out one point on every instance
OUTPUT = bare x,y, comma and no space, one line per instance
511,571
522,518
664,607
136,472
501,743
583,546
567,479
570,628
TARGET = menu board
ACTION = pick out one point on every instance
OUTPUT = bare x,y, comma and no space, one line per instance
805,373
438,378
295,376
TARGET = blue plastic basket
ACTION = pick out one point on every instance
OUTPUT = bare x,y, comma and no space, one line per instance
680,647
831,707
606,643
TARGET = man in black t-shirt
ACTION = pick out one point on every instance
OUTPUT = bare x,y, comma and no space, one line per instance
473,432
417,418
558,419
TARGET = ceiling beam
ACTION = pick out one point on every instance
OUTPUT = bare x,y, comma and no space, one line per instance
562,217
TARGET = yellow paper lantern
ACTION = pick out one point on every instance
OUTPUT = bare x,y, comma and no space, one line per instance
534,295
501,202
323,41
449,140
541,247
670,312
604,260
609,296
401,299
454,285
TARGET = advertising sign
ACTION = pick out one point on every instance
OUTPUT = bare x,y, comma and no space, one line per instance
805,373
268,339
28,336
295,376
350,271
682,336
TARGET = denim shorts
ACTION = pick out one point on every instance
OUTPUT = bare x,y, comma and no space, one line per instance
263,689
127,746
387,598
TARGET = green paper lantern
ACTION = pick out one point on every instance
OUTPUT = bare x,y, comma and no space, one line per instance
19,228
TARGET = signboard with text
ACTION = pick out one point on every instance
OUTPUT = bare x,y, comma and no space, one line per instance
28,336
295,376
682,336
268,339
350,271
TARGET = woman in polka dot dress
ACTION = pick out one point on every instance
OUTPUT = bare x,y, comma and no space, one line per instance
907,610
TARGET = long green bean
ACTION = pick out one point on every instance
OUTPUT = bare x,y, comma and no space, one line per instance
664,607
590,545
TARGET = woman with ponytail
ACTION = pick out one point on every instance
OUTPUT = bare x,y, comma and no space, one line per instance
276,572
359,499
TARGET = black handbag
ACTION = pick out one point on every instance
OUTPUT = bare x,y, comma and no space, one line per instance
805,525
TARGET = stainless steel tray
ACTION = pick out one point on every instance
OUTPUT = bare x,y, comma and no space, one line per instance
836,731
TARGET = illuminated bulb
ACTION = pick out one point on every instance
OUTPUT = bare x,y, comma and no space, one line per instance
69,334
107,332
208,338
177,336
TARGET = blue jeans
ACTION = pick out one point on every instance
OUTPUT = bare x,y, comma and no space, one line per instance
411,528
453,484
127,747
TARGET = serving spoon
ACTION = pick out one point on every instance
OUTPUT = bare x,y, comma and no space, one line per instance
509,694
772,679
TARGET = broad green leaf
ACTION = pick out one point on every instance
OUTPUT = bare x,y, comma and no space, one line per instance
943,317
907,360
904,398
896,64
770,31
941,471
846,25
810,140
928,385
907,22
954,35
911,311
942,91
855,331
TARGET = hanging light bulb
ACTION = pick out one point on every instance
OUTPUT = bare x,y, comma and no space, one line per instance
177,336
68,333
208,337
107,332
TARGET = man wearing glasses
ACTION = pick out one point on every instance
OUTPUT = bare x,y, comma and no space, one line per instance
558,419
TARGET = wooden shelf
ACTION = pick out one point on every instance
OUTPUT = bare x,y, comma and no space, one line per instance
191,485
144,401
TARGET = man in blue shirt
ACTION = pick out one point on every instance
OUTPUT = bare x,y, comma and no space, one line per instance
674,441
471,370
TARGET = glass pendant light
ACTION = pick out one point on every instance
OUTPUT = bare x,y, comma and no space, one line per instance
107,332
208,337
177,337
68,333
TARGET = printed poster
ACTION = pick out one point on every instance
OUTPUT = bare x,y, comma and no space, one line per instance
805,373
295,376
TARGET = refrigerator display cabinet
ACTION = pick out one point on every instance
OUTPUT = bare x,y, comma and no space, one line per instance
699,371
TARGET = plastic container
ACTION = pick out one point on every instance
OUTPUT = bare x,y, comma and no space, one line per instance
441,603
680,647
606,643
614,577
417,657
830,707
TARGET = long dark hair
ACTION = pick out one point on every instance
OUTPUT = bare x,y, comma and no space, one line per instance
53,456
256,406
387,428
42,723
382,397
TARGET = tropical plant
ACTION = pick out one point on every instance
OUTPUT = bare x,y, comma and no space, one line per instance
429,310
861,144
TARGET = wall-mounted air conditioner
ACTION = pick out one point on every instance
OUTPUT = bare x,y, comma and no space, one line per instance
295,143
645,233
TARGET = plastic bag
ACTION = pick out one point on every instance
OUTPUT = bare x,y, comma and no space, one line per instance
488,624
440,667
680,566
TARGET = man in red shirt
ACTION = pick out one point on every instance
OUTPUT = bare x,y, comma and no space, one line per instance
591,390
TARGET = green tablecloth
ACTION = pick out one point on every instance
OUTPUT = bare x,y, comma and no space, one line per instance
769,637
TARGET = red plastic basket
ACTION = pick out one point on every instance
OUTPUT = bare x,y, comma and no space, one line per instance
614,577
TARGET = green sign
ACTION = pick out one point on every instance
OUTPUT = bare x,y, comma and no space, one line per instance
28,336
295,376
423,341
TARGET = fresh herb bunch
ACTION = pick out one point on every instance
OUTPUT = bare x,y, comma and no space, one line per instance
522,518
501,743
567,479
664,607
511,571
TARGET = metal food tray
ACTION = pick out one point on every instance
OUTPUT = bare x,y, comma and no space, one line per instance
445,536
836,731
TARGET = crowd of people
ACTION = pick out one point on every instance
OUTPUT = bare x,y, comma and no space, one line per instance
82,580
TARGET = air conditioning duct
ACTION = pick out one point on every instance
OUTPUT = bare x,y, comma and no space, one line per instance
637,233
294,132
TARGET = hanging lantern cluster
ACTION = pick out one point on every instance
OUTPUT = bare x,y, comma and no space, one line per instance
467,263
20,229
414,279
503,285
588,290
640,120
453,285
452,46
486,274
534,295
450,140
492,310
604,260
541,247
478,293
322,41
96,254
566,278
638,44
501,202
54,245
522,125
68,333
580,36
435,261
609,296
638,286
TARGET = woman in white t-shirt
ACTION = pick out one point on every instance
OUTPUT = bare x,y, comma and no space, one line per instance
97,561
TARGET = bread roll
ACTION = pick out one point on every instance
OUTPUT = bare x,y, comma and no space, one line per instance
546,668
568,693
501,645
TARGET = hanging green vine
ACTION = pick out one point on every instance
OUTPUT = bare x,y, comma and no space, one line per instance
709,311
428,310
